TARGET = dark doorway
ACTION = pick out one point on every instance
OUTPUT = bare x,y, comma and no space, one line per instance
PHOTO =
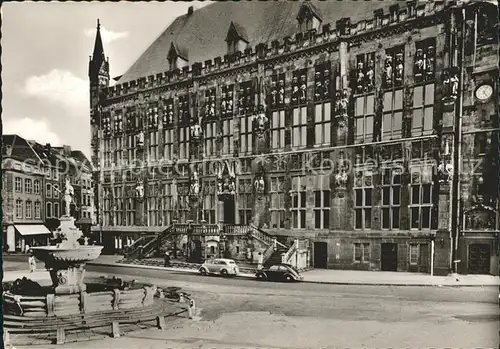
424,259
196,251
389,257
479,259
320,255
229,215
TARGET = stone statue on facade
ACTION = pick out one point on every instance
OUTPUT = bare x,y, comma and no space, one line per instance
419,63
398,75
259,185
195,185
450,83
388,71
445,172
341,107
429,62
140,139
69,193
139,190
370,75
260,122
360,78
303,88
282,92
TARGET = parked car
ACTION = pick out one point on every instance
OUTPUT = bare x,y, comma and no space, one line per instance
279,272
222,266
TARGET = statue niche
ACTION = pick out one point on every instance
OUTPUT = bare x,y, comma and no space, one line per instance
260,125
341,107
194,188
226,181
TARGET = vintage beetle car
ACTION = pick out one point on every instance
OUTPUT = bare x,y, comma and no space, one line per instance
279,272
220,266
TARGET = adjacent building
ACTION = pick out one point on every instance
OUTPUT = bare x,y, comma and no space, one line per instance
32,191
371,130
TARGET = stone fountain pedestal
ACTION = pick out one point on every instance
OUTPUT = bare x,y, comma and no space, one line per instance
66,260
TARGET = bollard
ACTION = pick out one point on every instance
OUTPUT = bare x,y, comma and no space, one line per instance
6,337
181,298
192,309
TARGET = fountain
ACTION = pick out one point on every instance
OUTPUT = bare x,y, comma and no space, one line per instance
71,306
66,260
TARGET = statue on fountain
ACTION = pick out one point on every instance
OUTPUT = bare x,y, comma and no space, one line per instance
69,193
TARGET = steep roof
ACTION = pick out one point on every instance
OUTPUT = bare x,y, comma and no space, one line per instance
20,149
202,33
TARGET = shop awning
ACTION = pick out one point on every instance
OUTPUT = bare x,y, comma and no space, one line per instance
32,229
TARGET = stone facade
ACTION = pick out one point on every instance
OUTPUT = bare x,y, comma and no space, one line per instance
348,132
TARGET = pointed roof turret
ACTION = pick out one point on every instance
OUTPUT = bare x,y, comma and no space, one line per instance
98,55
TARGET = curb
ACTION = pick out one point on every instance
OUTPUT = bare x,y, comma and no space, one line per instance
251,276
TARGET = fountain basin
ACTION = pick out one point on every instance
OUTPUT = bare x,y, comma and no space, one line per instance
66,256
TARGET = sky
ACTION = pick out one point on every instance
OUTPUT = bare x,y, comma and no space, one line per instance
45,54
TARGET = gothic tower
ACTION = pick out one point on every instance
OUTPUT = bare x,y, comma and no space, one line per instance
99,80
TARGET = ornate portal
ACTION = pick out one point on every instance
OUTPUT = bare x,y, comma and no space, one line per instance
226,185
480,217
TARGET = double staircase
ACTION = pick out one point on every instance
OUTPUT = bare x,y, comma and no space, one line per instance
146,245
275,252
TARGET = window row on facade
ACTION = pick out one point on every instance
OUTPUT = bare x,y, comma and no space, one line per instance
28,209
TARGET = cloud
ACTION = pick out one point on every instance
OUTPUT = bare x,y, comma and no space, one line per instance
59,86
106,35
31,129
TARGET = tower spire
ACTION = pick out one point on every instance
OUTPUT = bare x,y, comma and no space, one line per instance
98,55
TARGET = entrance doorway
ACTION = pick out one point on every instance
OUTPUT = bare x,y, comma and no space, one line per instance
389,257
479,259
320,255
196,252
229,208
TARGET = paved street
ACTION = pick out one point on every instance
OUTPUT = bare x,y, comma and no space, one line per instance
246,313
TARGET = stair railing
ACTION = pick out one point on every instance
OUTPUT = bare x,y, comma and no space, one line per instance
158,238
267,253
264,237
285,258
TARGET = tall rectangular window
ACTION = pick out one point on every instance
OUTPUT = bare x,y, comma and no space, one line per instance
168,113
414,253
48,210
365,73
246,98
393,74
184,142
421,199
184,110
245,200
118,151
227,101
391,198
38,210
423,110
277,96
131,148
18,185
28,210
183,201
36,187
299,87
168,146
364,110
363,190
392,122
322,202
19,209
56,191
209,137
298,209
227,137
48,190
28,186
56,210
425,57
246,134
209,201
322,123
277,207
153,146
299,127
278,129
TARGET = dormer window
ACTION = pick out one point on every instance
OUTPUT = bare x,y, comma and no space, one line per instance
236,38
309,17
177,57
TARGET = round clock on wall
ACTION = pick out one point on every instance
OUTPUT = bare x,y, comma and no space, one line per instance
484,92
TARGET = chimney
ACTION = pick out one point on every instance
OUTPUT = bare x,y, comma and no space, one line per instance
190,10
47,147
